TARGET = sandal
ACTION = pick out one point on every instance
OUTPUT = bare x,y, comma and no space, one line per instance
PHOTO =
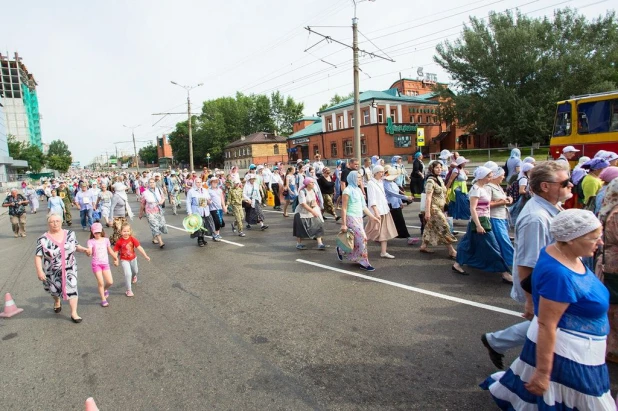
58,309
426,251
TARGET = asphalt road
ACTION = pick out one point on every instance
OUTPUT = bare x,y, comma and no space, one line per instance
253,324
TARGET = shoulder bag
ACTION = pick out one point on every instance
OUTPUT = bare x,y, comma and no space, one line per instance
609,279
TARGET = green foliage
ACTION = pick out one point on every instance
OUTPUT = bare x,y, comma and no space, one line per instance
336,99
15,147
149,154
35,158
226,119
58,156
511,71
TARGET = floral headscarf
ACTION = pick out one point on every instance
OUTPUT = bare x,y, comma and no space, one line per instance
610,201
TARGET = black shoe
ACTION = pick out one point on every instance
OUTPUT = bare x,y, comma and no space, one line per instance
337,218
459,272
76,320
264,227
494,356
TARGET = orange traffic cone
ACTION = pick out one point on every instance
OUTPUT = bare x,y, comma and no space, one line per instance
10,309
90,405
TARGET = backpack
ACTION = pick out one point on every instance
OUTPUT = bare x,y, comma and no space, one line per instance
579,190
513,190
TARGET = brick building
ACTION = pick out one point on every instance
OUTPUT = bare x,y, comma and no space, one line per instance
389,119
257,148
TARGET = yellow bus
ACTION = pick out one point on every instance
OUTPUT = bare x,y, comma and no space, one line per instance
588,122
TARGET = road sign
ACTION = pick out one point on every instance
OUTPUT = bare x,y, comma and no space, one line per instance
420,137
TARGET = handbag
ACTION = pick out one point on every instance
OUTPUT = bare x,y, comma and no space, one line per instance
609,279
345,241
485,223
423,200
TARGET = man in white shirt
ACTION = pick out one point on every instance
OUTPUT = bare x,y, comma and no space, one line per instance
318,165
567,154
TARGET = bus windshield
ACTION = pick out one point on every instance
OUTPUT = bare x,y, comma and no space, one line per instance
562,125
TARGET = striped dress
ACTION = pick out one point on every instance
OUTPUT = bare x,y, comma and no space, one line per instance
579,378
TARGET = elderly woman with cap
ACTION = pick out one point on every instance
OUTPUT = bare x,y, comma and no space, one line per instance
498,212
457,186
252,200
436,230
417,177
562,364
591,184
479,247
395,201
385,229
353,207
308,222
152,200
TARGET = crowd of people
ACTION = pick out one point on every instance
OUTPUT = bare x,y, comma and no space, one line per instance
562,262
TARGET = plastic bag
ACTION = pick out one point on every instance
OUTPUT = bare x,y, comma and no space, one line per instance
345,241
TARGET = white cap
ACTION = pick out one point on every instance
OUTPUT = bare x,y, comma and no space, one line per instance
569,149
444,154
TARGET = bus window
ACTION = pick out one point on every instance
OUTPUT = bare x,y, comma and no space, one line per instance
613,125
595,117
562,125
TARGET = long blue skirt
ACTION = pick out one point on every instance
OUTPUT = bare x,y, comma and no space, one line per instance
501,232
460,208
481,251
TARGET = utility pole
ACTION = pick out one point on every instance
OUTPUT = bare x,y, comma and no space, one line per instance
189,88
357,139
355,52
135,156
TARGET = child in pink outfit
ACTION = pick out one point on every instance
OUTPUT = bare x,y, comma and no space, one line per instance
100,247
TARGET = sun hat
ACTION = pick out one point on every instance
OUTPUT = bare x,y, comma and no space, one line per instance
461,160
96,228
192,223
569,149
444,154
390,173
573,223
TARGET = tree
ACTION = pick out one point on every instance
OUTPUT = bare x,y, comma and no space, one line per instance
284,113
58,156
15,146
149,154
510,72
35,158
336,99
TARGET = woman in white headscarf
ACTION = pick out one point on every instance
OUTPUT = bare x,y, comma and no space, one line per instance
499,214
513,164
377,203
479,247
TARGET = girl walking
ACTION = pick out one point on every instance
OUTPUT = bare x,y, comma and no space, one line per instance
126,246
100,247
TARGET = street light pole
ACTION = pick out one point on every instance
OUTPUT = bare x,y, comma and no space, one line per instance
189,88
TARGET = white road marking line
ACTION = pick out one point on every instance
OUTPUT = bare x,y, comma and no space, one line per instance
417,290
275,211
222,240
413,226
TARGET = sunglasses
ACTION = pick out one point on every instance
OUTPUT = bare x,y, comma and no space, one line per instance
563,184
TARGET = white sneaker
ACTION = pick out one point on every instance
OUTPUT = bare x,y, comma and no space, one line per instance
387,255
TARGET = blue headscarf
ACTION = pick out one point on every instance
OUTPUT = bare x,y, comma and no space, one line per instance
417,154
338,162
374,160
394,159
515,153
352,180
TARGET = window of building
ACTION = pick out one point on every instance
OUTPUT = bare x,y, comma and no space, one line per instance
365,117
393,116
403,141
276,149
347,148
329,124
420,119
315,149
339,122
435,119
381,115
351,120
333,150
428,119
363,147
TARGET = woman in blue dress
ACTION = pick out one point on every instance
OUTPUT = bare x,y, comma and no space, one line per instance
289,189
55,205
562,364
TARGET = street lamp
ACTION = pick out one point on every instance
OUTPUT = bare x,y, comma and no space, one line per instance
189,88
134,147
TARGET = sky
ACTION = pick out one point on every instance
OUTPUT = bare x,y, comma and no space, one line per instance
102,65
